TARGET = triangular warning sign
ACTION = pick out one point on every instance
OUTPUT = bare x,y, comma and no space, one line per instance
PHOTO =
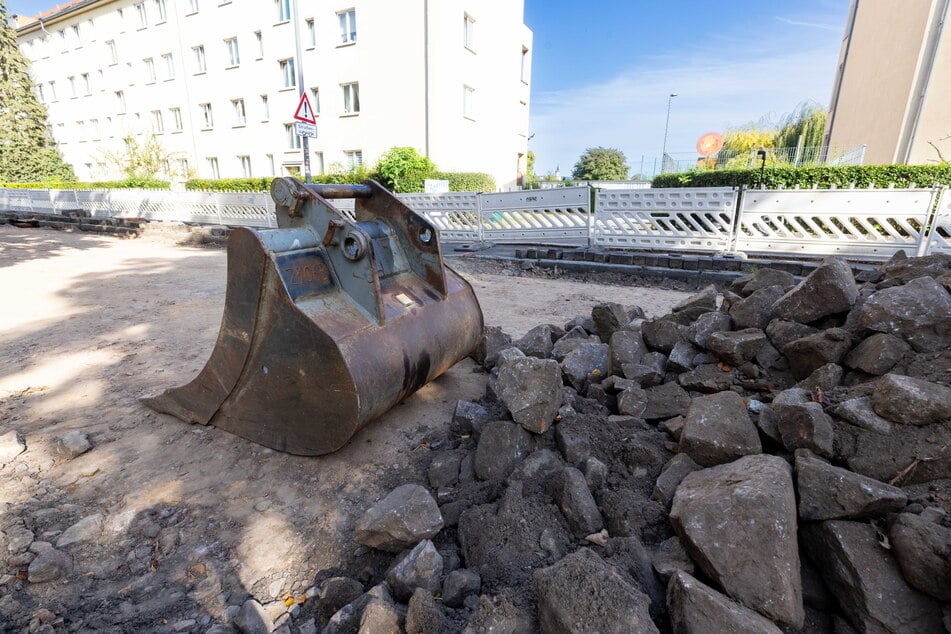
304,112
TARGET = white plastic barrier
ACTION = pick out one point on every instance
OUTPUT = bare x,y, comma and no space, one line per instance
872,223
551,216
455,214
938,239
697,219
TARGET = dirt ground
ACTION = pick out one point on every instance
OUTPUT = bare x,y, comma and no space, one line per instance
193,519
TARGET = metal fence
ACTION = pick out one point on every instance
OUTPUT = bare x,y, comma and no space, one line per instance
869,223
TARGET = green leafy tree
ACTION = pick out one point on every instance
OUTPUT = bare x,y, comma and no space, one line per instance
27,152
601,164
142,160
403,169
530,180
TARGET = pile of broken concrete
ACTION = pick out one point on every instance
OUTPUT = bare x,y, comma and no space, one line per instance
775,457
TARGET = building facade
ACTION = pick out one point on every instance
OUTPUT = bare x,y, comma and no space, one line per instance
892,89
216,82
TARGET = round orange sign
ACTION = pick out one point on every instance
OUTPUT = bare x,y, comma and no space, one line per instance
709,143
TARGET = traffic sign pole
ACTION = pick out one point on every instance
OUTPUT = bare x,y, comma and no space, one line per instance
299,66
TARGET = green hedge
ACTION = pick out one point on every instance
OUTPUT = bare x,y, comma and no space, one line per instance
822,176
458,181
129,183
466,181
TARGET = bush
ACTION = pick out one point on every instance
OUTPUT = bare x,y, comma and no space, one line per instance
823,176
128,183
229,184
466,181
402,169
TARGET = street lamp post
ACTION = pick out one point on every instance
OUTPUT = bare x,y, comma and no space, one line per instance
663,156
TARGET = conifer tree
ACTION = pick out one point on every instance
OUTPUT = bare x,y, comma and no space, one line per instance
27,152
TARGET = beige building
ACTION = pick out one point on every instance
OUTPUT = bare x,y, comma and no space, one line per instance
216,82
892,90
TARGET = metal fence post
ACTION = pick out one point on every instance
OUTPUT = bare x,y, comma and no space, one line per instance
592,210
737,218
480,218
931,220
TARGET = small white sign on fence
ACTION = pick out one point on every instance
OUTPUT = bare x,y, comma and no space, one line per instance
305,129
435,186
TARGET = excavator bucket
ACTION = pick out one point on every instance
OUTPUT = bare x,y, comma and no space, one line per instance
329,321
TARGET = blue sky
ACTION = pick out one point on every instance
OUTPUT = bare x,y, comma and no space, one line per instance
602,70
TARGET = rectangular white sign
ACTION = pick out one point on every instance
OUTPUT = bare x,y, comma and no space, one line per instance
305,129
434,186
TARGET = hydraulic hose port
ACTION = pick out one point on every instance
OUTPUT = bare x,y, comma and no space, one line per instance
354,247
426,235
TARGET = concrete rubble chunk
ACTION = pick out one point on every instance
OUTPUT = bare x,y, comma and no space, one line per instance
910,401
766,277
910,454
877,355
501,446
695,608
470,417
608,318
666,401
72,444
662,334
582,592
919,312
782,332
571,342
738,522
828,492
85,530
252,619
859,412
380,615
420,568
923,551
682,357
866,579
531,389
537,342
804,426
632,402
699,303
18,538
828,290
493,340
737,347
576,502
756,310
717,429
407,515
705,325
49,564
672,475
810,353
627,348
588,363
707,379
11,446
825,378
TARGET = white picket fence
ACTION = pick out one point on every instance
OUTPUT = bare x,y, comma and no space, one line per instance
869,223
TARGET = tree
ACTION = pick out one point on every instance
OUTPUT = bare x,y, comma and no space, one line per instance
27,152
530,179
403,169
140,160
601,164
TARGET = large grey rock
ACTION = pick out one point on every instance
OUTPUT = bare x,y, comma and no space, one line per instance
72,444
782,332
877,355
608,318
501,445
11,446
828,290
497,615
910,453
919,312
493,340
703,301
85,530
705,325
682,357
666,401
576,502
588,363
470,417
804,426
402,519
379,615
423,615
18,538
583,593
767,277
826,378
627,348
662,334
827,492
737,347
632,402
717,429
252,619
810,353
531,390
859,412
49,564
420,568
672,475
903,399
574,339
458,585
756,311
707,379
537,342
335,593
671,557
695,608
923,551
738,522
866,580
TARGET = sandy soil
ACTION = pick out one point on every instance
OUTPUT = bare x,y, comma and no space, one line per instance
90,324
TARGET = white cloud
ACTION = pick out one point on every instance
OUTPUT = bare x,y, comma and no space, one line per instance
715,89
811,25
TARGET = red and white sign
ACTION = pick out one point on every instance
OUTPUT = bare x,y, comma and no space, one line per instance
304,111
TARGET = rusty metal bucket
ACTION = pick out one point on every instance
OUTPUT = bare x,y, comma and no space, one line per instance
329,321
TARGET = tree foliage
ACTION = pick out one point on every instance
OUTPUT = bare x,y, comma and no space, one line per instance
27,152
403,169
783,141
145,160
601,164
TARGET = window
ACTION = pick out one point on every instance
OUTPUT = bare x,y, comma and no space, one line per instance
113,54
192,7
183,167
245,166
176,118
72,86
77,40
468,32
293,141
91,30
265,108
121,16
53,90
207,120
239,115
348,26
62,40
351,98
311,40
199,52
232,45
142,14
270,163
39,93
149,70
315,100
99,80
354,159
283,10
160,10
158,124
213,166
96,132
318,162
169,63
524,69
288,76
468,96
260,42
87,89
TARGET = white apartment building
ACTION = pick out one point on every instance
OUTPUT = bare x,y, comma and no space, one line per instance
216,82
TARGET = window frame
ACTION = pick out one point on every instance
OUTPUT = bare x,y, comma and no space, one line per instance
158,122
113,52
233,50
347,20
150,72
293,140
200,60
351,98
213,164
468,102
311,32
162,10
468,32
169,62
288,73
350,155
283,11
245,161
207,116
266,106
177,119
141,12
240,112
